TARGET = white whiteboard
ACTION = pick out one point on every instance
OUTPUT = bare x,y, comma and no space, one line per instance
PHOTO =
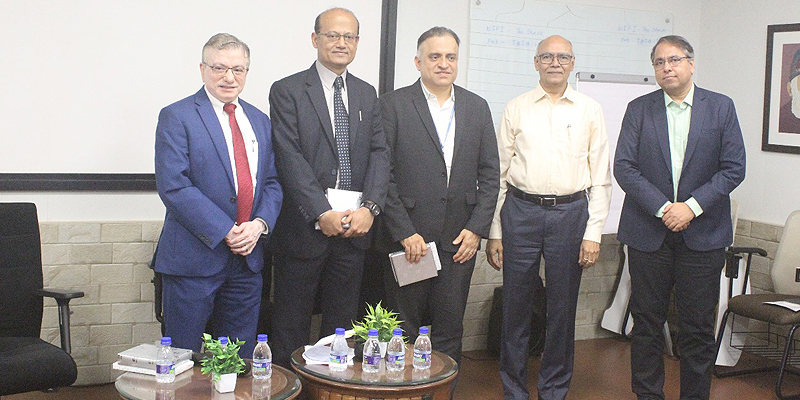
504,35
614,92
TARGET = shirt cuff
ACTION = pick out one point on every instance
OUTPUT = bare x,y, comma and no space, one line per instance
266,227
660,212
694,206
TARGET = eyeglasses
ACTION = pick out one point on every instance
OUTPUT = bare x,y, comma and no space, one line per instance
222,70
673,61
548,58
334,37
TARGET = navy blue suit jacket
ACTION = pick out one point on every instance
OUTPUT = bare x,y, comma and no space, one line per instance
195,181
307,160
714,165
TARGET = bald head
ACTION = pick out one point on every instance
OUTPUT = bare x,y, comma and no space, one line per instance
553,39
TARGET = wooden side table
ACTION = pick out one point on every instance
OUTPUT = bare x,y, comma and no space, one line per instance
319,383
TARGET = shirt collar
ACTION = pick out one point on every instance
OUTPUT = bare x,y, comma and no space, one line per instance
327,76
430,96
689,99
216,103
539,93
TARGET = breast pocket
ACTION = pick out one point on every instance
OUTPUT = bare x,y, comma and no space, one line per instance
578,137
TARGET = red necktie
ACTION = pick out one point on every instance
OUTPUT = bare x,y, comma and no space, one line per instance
244,199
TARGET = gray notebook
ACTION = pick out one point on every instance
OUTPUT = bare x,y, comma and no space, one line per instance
406,273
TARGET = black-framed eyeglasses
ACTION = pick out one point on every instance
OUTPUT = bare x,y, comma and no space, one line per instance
222,70
548,58
335,36
673,61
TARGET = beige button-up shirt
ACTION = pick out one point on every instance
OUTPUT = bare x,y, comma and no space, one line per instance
555,148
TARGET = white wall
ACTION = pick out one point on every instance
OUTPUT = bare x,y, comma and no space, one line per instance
733,59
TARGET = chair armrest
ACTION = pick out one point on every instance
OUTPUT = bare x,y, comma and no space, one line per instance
747,250
62,298
59,294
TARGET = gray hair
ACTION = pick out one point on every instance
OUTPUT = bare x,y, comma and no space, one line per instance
437,31
675,40
318,24
222,41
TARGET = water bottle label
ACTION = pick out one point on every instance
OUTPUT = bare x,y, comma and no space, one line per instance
338,359
395,359
165,369
374,359
262,367
420,356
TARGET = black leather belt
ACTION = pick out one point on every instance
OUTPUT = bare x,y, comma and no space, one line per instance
546,200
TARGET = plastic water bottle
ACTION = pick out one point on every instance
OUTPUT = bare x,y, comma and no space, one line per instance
422,349
223,341
372,353
396,351
339,350
165,362
262,359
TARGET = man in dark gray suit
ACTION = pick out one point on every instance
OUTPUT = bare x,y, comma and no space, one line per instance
327,134
443,187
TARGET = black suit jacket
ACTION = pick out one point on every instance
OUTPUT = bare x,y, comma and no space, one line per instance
419,198
307,162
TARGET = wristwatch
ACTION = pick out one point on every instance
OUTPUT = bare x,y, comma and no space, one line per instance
372,207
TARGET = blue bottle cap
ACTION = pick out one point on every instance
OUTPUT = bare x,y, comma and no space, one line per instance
423,330
262,337
397,331
223,340
373,333
166,341
339,331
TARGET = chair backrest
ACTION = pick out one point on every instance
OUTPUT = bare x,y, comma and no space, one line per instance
787,258
20,270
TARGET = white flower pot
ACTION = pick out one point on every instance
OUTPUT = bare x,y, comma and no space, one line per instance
383,348
226,383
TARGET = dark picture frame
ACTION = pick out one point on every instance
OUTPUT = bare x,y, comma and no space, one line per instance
781,130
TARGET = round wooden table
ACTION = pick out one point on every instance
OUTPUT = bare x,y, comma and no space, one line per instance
319,383
283,385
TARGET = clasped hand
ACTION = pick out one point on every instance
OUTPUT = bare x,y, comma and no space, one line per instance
242,239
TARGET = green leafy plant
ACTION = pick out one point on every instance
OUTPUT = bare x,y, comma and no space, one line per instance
221,359
379,318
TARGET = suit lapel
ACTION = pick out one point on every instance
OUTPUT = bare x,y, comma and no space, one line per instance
659,113
421,104
461,126
353,109
695,124
212,123
317,97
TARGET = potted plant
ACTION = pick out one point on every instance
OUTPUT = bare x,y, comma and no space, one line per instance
222,362
379,318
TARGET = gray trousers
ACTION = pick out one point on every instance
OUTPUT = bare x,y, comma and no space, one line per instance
530,232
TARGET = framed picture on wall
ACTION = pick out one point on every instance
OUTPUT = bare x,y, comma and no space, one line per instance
782,90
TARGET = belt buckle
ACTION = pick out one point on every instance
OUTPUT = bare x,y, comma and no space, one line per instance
547,201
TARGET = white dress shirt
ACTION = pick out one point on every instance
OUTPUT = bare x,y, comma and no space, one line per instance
249,136
555,148
445,122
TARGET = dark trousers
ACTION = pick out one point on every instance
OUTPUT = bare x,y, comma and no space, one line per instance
440,300
530,232
334,278
695,277
231,299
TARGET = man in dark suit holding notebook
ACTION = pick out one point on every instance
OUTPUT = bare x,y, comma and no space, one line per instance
443,187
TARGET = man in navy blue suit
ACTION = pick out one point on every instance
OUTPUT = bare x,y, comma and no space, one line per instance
679,155
215,173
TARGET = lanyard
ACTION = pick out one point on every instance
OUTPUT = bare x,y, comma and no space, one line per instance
449,124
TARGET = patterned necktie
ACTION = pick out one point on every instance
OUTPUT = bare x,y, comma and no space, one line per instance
342,134
244,198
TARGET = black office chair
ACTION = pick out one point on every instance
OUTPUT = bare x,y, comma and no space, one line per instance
27,362
778,342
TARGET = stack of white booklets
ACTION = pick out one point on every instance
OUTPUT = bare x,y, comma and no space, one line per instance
142,359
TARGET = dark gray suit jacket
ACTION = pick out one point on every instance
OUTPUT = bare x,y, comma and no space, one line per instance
307,162
419,198
713,165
